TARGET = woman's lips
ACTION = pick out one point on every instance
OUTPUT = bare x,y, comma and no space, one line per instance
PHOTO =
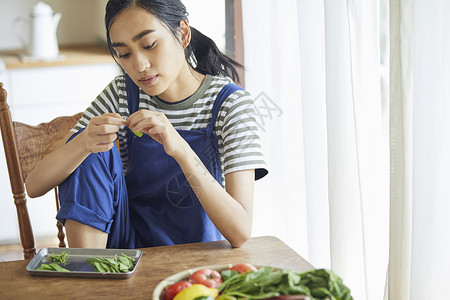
148,80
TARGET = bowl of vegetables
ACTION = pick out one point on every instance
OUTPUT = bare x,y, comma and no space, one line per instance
245,281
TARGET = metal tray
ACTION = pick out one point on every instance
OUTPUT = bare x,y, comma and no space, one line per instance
77,264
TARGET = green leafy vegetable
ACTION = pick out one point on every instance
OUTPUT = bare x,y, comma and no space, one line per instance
62,257
268,282
56,260
116,264
227,274
52,267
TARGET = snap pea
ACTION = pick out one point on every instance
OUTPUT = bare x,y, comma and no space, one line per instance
52,267
137,133
116,264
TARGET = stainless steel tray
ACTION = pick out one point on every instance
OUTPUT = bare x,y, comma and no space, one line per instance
77,264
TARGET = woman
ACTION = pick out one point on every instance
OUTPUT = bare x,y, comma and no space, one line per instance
165,187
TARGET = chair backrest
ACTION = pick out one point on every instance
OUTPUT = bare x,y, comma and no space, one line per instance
24,146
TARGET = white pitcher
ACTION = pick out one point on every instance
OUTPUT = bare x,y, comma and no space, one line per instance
42,41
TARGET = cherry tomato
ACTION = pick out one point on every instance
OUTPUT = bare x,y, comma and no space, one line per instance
175,288
208,277
244,268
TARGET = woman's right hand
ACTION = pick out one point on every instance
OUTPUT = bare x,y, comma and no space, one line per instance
101,132
99,136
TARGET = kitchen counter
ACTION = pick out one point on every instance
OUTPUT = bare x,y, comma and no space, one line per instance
70,55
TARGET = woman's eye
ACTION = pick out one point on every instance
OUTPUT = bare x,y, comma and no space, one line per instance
124,55
150,46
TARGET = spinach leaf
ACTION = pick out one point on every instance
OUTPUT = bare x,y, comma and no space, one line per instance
268,282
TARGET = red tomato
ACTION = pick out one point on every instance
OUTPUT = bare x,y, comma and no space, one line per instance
244,268
175,288
208,277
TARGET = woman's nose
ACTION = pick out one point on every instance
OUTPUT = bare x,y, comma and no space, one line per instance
141,63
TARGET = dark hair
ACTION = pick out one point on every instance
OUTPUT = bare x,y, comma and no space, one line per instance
202,53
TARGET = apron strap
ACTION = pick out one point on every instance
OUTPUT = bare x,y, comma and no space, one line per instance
224,93
132,95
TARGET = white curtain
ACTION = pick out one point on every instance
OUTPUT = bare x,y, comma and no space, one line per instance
313,68
420,149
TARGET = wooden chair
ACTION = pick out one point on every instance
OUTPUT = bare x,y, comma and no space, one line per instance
24,146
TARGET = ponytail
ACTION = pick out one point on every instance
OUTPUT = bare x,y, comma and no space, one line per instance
204,57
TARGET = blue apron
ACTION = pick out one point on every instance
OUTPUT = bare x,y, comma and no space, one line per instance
163,207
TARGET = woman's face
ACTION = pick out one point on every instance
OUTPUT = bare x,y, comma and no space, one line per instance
149,53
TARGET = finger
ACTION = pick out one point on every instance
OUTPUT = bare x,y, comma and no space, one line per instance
110,118
104,129
158,129
139,114
101,143
151,120
133,117
105,138
142,115
139,125
115,115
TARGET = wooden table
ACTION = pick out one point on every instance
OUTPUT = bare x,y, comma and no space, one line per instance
156,264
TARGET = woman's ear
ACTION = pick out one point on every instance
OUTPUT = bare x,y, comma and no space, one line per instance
185,33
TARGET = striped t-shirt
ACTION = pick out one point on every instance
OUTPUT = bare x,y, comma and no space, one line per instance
236,128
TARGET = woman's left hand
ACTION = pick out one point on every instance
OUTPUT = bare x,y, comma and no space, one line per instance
156,125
